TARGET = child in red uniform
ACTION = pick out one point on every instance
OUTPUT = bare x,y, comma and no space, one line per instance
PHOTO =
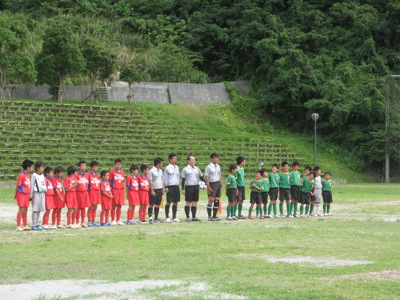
22,192
144,189
59,198
117,178
48,173
82,196
94,193
106,199
70,184
132,186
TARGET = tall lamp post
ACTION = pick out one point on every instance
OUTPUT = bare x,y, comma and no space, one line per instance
315,117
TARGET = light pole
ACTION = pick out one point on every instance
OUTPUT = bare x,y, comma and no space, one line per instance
315,117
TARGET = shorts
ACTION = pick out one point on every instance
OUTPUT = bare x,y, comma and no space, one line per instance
119,197
255,198
305,198
133,198
144,197
264,197
38,202
231,193
284,194
50,202
318,195
70,200
327,195
216,189
106,203
273,194
57,202
192,193
242,193
295,192
156,199
82,199
94,197
174,194
22,200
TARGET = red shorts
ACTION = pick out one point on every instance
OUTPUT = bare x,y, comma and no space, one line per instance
106,203
144,198
95,197
50,202
133,198
22,200
57,202
70,200
82,198
119,197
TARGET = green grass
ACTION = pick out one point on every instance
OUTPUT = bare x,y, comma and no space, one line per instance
229,257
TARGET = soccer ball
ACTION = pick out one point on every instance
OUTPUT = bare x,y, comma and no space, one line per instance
202,185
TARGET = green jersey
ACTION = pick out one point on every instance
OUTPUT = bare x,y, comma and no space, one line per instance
326,185
231,180
240,176
258,183
265,185
307,186
273,180
295,178
284,180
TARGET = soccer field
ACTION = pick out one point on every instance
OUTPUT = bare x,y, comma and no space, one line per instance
353,254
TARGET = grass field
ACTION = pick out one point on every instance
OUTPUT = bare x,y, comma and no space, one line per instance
352,255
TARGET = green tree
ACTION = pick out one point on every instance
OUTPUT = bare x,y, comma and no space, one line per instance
131,73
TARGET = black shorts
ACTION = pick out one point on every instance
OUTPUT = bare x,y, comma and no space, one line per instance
327,196
231,194
174,194
305,198
264,197
284,194
192,193
216,189
295,192
156,199
273,194
255,198
242,193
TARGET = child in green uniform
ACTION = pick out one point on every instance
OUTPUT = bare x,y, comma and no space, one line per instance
256,186
307,171
294,188
284,189
241,162
273,190
327,193
264,193
231,192
307,190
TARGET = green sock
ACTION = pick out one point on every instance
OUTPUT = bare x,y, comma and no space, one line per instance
311,208
324,208
269,208
250,210
274,207
301,209
256,211
265,209
228,211
240,207
281,208
234,208
328,208
294,208
288,208
307,208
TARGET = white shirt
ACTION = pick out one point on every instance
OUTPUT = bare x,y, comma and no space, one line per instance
191,175
318,183
156,178
38,184
213,172
171,175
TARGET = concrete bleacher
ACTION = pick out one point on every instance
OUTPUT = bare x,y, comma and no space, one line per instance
62,134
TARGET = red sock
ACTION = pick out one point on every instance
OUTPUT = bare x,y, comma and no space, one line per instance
107,215
112,214
133,214
89,215
101,217
83,215
93,215
59,216
19,218
73,217
46,218
54,215
68,218
25,219
118,214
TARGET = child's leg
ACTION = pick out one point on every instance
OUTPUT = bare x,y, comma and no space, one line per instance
328,208
274,208
294,206
251,209
113,212
307,208
83,215
107,216
69,216
46,217
59,217
89,214
19,215
25,216
270,208
102,216
118,213
312,207
228,210
281,207
259,209
54,216
288,208
301,209
94,212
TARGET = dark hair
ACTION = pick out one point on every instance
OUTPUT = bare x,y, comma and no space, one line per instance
171,156
313,173
58,169
157,161
284,163
214,155
27,163
189,156
47,170
117,160
328,173
38,164
276,166
94,163
308,168
134,167
143,168
259,172
81,162
263,170
316,168
239,160
71,170
103,173
295,163
232,167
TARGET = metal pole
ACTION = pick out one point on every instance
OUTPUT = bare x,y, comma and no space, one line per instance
315,142
387,162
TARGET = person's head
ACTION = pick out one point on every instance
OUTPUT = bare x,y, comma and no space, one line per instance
191,160
264,173
172,158
134,169
82,166
158,162
311,176
295,165
94,166
327,175
307,170
240,161
144,169
27,165
214,157
71,170
232,169
275,168
48,172
118,164
39,167
258,175
285,167
317,171
104,175
58,171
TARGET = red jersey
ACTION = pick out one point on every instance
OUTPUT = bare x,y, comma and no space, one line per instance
49,185
24,183
68,181
117,179
57,185
105,188
83,182
143,181
94,181
132,183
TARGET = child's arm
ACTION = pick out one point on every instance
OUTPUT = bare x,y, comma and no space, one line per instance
59,195
226,188
16,191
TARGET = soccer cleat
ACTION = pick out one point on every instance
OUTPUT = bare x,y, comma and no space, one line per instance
196,220
37,228
27,228
268,216
60,226
129,223
234,218
95,224
281,216
176,220
157,221
241,217
209,219
188,220
113,223
261,217
250,217
320,215
329,214
290,216
167,220
45,227
19,228
120,223
54,226
295,216
83,225
90,224
217,219
229,218
103,224
150,220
